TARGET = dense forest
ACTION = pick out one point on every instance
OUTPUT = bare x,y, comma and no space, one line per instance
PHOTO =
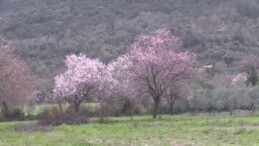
224,33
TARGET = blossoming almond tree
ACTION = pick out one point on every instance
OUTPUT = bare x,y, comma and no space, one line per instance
120,70
158,64
80,81
124,87
152,65
15,78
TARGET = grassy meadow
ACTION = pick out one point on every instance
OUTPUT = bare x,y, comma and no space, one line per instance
168,130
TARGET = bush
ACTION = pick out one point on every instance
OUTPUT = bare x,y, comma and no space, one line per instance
89,112
55,117
123,107
16,114
223,99
127,106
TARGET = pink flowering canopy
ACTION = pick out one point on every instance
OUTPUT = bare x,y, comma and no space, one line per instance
153,65
81,79
120,70
158,63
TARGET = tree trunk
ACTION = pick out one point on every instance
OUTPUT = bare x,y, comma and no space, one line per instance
5,107
253,109
77,105
101,120
103,113
155,108
60,107
231,111
171,108
131,114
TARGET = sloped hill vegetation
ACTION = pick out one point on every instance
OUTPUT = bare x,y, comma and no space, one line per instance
43,32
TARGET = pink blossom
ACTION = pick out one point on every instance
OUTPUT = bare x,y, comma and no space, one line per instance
83,78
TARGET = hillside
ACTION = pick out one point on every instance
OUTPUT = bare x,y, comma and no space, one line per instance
43,32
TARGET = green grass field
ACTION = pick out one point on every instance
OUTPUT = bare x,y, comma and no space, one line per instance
143,131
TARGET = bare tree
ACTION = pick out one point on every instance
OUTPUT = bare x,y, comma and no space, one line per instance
15,78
